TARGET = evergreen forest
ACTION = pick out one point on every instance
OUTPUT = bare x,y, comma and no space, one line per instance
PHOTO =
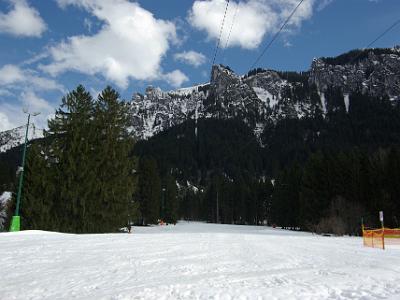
319,173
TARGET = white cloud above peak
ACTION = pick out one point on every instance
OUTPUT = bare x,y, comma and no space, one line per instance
11,114
13,76
22,20
247,22
130,44
193,58
175,78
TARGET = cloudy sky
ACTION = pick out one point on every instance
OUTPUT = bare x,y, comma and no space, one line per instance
48,47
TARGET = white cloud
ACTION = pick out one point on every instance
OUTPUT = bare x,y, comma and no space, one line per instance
287,44
88,24
10,74
5,123
5,92
130,44
175,78
36,104
323,3
254,19
22,20
11,113
193,58
13,76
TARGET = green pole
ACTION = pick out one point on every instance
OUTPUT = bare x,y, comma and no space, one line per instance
15,221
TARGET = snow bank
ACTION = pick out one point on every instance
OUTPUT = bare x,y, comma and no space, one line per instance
195,261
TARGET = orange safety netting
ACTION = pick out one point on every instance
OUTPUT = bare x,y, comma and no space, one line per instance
378,238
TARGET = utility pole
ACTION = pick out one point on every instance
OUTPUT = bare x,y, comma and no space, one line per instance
16,220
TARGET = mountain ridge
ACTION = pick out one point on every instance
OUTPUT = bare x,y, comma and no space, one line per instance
264,96
258,97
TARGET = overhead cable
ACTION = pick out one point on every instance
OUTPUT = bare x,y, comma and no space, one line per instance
276,35
220,33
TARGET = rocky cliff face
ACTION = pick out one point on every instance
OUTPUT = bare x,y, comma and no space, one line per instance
226,96
377,74
267,96
259,97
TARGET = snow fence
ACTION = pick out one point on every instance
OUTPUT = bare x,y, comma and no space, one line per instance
379,238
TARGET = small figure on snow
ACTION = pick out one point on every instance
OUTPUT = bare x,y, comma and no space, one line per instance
129,228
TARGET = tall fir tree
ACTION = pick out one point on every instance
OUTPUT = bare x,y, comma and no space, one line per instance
37,207
149,191
170,198
82,178
71,133
115,165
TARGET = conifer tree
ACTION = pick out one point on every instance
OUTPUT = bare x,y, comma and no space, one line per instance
315,194
171,200
149,191
37,207
114,166
285,206
82,178
71,133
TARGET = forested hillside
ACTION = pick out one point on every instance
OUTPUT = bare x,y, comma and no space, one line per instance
315,173
317,150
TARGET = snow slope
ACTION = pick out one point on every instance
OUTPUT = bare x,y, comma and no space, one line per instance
195,261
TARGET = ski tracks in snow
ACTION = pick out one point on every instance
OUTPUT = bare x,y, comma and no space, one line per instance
195,261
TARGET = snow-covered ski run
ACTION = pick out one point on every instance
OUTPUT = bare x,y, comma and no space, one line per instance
195,261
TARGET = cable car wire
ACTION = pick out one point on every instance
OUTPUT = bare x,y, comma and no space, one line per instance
230,30
276,35
220,33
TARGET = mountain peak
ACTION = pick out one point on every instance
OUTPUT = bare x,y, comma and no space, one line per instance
15,137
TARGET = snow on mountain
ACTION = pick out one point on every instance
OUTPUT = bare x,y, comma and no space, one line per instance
187,90
266,97
195,261
226,96
347,102
15,137
377,74
262,96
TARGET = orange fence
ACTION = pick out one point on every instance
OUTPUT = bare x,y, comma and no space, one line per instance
379,238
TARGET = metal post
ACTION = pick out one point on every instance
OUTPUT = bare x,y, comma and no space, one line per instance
15,221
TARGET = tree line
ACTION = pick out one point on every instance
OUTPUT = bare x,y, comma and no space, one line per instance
321,172
315,173
336,192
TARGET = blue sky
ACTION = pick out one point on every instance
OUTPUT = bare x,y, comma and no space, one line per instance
48,47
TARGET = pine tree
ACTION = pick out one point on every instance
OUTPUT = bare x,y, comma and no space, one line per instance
149,191
391,203
315,193
71,153
114,166
285,206
82,178
37,207
171,200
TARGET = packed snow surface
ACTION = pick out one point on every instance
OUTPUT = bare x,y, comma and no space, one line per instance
195,261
